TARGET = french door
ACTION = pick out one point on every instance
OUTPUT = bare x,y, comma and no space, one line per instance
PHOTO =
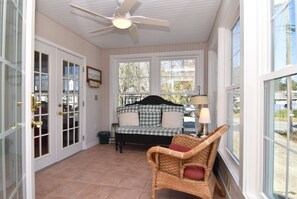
15,173
57,85
69,138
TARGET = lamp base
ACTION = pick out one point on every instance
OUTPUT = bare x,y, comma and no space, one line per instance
205,131
200,130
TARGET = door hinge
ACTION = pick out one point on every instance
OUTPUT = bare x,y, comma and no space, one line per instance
83,69
83,138
83,103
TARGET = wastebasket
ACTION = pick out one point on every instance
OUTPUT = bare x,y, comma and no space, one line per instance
103,137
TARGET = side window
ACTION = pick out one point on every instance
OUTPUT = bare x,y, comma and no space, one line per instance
280,130
233,93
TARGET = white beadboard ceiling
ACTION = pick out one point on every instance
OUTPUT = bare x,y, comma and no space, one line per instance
190,20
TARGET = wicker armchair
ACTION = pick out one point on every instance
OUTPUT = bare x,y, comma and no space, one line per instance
192,156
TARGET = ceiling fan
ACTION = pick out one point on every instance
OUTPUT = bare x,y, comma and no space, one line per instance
122,19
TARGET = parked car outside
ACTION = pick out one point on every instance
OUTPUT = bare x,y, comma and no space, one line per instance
189,110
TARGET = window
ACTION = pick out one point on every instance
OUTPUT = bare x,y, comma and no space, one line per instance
172,75
178,84
280,138
134,81
233,94
178,79
284,34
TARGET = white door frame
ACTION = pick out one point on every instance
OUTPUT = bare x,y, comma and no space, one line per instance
83,80
28,58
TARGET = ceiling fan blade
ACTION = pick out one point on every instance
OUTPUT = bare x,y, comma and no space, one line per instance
90,12
125,6
102,29
134,33
149,21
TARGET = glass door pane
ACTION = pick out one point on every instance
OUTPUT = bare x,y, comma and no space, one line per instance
11,101
70,98
41,92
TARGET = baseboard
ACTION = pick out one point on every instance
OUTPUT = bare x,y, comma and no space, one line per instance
220,179
93,143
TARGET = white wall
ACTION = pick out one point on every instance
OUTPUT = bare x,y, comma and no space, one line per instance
48,29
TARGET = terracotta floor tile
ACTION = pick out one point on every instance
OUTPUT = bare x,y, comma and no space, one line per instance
88,176
96,192
68,173
102,173
133,182
55,197
139,171
123,193
109,179
47,185
70,189
118,168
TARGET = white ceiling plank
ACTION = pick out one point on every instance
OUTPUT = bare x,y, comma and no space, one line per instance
190,20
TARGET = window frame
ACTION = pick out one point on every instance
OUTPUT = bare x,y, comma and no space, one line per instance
154,72
271,74
130,61
230,88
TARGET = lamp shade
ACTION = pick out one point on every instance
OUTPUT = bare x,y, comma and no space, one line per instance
204,116
199,99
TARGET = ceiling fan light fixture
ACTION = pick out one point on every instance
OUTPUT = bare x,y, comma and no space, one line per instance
121,23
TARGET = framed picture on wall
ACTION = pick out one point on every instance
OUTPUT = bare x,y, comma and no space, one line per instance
94,74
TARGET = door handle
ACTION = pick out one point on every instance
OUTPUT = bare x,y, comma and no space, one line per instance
61,113
37,124
34,103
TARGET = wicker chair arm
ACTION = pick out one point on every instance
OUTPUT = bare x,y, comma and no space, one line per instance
163,150
185,138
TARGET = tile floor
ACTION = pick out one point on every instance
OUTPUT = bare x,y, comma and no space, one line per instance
102,173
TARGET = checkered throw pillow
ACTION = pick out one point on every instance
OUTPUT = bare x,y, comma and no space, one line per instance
171,108
149,115
127,109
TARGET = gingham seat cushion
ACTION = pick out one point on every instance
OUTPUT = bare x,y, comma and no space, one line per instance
149,130
149,115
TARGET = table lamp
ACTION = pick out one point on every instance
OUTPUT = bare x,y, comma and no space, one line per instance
204,119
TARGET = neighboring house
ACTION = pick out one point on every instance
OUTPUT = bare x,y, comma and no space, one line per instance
247,64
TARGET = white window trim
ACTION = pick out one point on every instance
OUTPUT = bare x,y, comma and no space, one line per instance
256,58
224,63
154,72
